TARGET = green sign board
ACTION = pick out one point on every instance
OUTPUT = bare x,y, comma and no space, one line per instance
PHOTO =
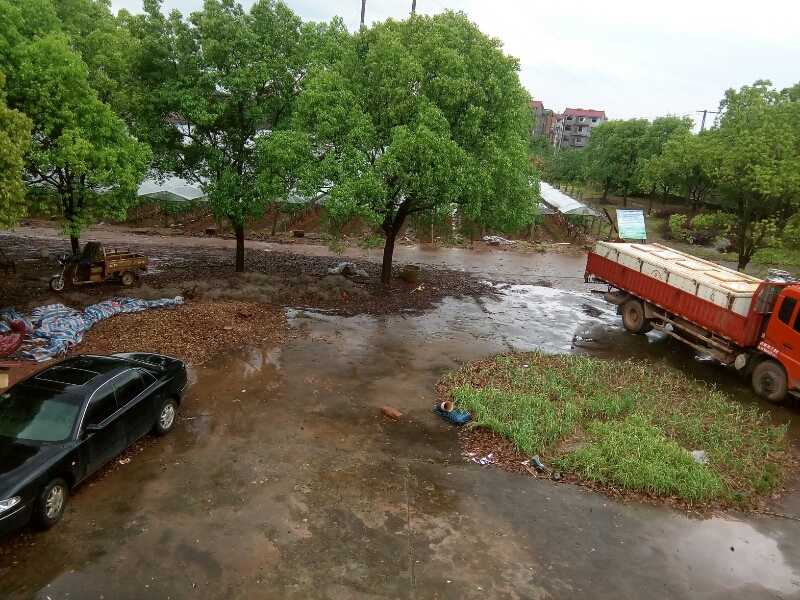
631,224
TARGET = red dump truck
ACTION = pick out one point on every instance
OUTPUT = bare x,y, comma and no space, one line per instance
744,322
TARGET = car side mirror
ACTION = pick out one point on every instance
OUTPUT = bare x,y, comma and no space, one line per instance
93,428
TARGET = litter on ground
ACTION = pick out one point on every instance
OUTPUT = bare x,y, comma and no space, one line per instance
348,269
457,416
501,240
486,460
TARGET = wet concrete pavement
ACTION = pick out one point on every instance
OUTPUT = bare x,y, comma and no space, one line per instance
283,481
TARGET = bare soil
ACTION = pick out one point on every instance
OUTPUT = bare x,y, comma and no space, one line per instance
280,278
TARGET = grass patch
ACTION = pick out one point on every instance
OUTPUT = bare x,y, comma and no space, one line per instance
637,426
781,257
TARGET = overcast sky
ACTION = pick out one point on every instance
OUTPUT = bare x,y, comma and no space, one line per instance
629,58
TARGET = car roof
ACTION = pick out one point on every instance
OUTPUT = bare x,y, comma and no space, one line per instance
82,373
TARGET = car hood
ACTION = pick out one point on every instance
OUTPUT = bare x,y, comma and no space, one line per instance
18,460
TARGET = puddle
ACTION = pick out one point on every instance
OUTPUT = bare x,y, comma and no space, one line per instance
719,553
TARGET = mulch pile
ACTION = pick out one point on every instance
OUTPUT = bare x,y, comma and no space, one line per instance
192,332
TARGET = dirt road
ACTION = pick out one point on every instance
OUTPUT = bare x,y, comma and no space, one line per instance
557,265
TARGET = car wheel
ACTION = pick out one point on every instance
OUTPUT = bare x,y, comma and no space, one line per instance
167,415
769,381
633,318
128,277
51,503
57,284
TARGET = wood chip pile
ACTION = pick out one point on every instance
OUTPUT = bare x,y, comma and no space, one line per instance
192,332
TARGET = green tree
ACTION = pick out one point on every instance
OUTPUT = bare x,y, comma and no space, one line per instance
104,44
416,116
569,167
15,139
754,157
654,173
82,155
212,85
614,155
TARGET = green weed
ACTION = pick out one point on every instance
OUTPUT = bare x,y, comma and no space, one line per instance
637,426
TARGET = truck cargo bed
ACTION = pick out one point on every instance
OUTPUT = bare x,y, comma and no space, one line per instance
722,286
717,299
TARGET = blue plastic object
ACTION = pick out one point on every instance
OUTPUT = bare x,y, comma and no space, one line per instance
457,416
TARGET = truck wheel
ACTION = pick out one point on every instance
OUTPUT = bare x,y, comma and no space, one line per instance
633,318
128,277
57,284
769,381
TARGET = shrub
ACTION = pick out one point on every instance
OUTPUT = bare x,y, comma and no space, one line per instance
677,225
718,223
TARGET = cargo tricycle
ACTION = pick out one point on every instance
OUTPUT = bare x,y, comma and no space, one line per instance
95,264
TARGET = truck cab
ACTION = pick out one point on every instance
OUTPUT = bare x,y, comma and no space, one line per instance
775,376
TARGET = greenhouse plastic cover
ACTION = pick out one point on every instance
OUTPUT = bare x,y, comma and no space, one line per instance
564,204
173,189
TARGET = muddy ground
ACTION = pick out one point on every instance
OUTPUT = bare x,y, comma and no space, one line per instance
282,480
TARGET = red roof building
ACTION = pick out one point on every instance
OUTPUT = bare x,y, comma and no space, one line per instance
585,112
575,128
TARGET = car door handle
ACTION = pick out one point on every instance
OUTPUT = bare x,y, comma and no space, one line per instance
788,347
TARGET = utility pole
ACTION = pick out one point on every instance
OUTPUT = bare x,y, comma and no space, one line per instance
363,10
703,122
413,6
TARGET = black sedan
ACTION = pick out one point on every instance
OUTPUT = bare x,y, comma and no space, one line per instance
63,423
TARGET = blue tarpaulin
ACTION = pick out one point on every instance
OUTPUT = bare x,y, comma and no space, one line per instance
53,328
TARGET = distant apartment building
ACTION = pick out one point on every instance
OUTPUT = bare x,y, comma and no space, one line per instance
574,128
544,118
556,132
537,107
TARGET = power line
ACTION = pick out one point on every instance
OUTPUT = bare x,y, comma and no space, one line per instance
515,35
603,77
559,67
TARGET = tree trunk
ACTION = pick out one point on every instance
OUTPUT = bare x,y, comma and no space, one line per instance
275,222
605,189
664,198
625,199
388,251
239,229
650,208
743,260
741,233
76,244
391,227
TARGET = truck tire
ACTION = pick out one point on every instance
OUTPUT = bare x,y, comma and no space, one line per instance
128,277
769,381
633,318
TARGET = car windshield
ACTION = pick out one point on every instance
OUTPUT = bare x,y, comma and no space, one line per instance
38,415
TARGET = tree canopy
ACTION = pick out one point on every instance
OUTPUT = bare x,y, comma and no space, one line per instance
747,164
754,162
15,139
81,153
211,85
414,117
